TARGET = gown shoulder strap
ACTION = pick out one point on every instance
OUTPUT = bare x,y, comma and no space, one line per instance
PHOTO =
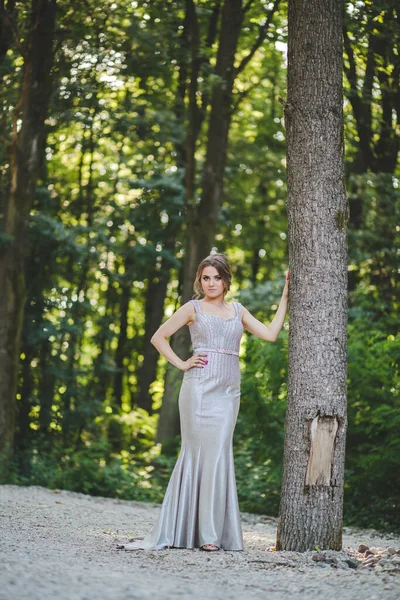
196,305
238,308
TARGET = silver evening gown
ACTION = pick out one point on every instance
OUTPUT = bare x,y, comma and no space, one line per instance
200,504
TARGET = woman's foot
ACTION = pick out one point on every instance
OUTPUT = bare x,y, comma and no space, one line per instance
209,547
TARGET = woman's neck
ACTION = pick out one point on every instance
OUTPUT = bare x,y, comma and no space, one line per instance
219,301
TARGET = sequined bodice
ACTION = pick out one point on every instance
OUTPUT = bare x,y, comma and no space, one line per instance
211,331
220,340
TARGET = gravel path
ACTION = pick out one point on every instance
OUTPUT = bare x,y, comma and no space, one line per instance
60,545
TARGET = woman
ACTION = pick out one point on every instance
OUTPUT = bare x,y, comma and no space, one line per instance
200,507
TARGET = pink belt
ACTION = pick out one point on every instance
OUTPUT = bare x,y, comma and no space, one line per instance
217,350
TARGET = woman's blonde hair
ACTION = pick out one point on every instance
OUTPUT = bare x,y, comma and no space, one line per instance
219,262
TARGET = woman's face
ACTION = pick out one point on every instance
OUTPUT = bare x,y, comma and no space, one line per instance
212,282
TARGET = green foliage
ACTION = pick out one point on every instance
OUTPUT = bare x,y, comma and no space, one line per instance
134,470
260,429
258,483
372,471
373,443
108,227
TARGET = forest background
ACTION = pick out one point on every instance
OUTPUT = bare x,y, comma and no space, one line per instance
126,144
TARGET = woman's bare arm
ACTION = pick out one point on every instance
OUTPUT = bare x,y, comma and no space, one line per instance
183,316
268,332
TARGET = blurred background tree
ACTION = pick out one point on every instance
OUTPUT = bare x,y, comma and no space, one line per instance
118,188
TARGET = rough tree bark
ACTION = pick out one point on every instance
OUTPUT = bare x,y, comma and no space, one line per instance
29,118
313,470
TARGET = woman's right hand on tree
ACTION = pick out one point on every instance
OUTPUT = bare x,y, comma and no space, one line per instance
286,288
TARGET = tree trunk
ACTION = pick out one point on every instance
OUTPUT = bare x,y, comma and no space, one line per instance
202,221
7,16
378,140
121,351
101,381
23,434
84,203
26,146
46,388
168,424
204,224
154,310
313,470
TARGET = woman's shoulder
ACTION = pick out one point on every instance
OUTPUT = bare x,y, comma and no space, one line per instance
189,306
184,314
187,309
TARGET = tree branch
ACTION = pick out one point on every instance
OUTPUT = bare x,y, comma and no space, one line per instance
360,106
242,95
212,25
350,71
212,33
14,30
261,37
247,6
351,74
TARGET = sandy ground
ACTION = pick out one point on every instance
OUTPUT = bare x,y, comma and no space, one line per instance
61,545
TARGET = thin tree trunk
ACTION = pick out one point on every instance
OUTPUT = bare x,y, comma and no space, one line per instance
204,225
313,470
26,380
120,352
202,220
101,381
7,17
85,203
27,143
168,423
361,104
378,145
46,389
154,311
23,436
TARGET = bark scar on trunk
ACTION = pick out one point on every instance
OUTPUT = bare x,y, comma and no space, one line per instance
322,436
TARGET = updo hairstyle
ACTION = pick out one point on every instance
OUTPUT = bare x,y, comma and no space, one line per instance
219,262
